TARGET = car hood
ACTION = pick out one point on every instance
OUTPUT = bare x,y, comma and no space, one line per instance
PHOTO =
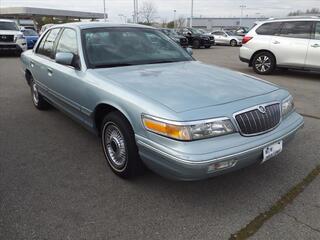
9,32
187,86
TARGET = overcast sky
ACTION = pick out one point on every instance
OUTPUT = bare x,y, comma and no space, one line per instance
204,8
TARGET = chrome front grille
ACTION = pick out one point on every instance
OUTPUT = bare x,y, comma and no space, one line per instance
259,120
6,38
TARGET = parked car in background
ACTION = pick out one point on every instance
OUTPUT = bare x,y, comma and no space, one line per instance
227,38
157,106
11,38
283,43
196,39
31,37
237,31
183,41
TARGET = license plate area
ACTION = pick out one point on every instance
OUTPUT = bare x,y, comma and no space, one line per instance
272,151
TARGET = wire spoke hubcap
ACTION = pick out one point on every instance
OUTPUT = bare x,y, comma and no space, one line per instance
35,94
263,63
114,146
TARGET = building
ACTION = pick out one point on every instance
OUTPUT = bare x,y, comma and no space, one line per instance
212,23
27,15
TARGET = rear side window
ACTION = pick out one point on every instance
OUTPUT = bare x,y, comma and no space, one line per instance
317,33
269,28
46,46
297,29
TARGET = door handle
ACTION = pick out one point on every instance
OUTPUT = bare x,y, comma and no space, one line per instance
315,45
276,42
50,72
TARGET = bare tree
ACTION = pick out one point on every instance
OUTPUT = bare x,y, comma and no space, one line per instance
148,12
180,22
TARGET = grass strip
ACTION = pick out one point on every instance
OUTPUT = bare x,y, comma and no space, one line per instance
257,223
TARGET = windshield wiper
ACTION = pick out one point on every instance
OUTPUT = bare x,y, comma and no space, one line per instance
164,61
113,65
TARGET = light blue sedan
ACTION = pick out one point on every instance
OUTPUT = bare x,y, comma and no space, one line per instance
153,105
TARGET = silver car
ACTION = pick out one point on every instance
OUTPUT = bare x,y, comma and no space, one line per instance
153,105
227,38
283,43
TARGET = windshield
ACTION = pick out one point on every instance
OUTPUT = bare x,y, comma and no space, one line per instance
112,47
195,31
29,32
8,26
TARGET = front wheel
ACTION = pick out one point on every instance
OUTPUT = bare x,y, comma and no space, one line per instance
38,101
264,63
196,44
119,146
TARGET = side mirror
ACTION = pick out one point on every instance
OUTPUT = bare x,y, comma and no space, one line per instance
189,50
67,59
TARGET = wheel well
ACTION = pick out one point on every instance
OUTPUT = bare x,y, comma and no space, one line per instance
28,76
260,51
101,111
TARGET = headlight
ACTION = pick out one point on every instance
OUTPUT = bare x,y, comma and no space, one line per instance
188,131
287,106
19,36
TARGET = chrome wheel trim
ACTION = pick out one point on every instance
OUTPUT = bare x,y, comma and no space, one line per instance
35,93
114,147
263,63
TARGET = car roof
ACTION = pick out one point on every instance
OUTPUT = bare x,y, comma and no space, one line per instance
290,19
6,20
88,25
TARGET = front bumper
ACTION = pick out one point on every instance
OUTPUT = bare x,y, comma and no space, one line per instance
13,47
177,165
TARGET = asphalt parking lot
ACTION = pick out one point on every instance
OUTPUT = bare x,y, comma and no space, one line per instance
55,184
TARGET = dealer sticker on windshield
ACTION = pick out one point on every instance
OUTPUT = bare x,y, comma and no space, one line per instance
272,151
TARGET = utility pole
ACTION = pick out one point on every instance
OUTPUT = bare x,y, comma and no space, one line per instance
135,11
174,18
104,11
242,7
191,17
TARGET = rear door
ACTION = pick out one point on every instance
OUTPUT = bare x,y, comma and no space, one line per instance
290,45
219,37
313,56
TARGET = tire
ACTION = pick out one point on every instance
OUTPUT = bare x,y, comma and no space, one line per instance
119,146
196,44
233,43
38,100
264,63
207,46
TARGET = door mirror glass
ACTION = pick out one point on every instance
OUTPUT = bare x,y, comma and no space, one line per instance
189,50
64,58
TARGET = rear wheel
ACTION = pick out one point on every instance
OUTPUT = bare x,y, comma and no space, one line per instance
264,63
207,46
38,101
119,146
233,43
196,44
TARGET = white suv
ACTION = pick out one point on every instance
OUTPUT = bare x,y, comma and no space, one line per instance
283,43
11,39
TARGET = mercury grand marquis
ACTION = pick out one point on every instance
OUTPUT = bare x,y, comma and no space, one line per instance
154,105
